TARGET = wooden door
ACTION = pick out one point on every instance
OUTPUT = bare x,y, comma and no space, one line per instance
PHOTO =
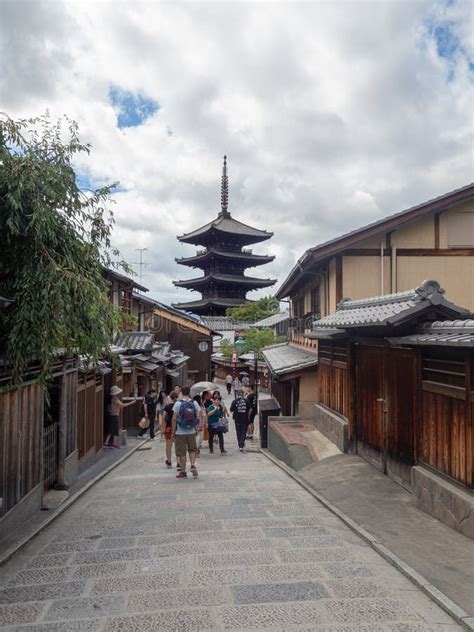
369,403
400,405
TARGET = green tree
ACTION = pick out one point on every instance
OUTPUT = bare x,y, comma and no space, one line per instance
55,242
251,311
255,340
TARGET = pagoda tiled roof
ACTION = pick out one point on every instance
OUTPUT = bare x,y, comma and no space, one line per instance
211,253
233,279
207,303
228,225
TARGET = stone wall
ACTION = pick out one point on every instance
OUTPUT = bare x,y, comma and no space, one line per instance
333,426
444,500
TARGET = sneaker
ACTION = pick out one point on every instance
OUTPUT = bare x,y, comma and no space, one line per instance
181,474
178,467
241,449
152,438
114,446
141,437
168,464
194,471
211,451
223,451
107,446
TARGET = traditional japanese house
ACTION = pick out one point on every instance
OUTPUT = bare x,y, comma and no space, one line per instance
396,387
434,239
121,294
182,331
223,260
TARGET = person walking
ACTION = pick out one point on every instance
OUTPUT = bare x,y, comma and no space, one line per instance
186,413
166,427
228,383
252,402
151,413
237,386
201,423
245,381
215,412
113,411
240,410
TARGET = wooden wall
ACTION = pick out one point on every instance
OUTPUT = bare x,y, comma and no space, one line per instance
446,431
186,340
90,413
21,432
334,376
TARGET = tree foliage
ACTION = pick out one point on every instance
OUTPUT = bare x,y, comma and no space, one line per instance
255,340
55,242
251,311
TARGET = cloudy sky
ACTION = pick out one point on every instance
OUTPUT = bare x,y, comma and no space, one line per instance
332,114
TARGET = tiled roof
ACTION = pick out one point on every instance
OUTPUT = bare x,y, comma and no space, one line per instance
447,333
351,238
239,279
209,302
124,279
285,358
134,340
210,253
223,323
390,309
227,225
272,320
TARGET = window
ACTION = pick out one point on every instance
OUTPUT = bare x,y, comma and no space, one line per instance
461,230
315,304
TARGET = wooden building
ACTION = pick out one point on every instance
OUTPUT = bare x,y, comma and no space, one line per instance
434,239
181,331
396,387
223,260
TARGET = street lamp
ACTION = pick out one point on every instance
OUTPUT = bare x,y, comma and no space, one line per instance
255,376
239,345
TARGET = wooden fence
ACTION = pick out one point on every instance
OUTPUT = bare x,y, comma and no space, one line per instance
21,428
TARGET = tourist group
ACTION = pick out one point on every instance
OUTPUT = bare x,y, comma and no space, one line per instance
186,421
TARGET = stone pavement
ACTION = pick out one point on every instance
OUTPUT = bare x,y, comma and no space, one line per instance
242,547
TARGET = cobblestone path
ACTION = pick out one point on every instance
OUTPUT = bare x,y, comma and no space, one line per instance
242,547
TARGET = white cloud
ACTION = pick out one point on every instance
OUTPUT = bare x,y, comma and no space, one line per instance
332,114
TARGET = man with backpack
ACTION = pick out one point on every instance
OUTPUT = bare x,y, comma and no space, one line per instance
186,413
240,408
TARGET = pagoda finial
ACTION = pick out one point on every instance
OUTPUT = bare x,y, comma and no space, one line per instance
224,191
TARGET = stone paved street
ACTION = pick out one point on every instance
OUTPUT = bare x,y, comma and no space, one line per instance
242,547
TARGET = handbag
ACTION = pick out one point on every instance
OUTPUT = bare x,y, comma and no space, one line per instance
222,425
144,423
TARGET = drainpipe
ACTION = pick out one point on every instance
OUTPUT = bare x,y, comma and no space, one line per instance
381,269
394,269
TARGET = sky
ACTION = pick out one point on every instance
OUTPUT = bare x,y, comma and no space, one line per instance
332,114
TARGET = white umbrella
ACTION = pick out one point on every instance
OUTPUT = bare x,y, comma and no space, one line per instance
199,387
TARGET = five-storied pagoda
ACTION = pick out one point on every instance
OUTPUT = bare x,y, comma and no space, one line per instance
223,261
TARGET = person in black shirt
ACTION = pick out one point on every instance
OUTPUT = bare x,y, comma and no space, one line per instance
251,399
166,426
240,410
151,402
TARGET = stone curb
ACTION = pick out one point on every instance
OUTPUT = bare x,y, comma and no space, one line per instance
66,504
454,611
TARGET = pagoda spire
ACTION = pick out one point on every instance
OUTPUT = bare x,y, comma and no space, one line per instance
224,191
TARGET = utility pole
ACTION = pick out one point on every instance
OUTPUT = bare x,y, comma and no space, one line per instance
142,263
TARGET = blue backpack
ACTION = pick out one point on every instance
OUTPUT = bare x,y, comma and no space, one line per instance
187,417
